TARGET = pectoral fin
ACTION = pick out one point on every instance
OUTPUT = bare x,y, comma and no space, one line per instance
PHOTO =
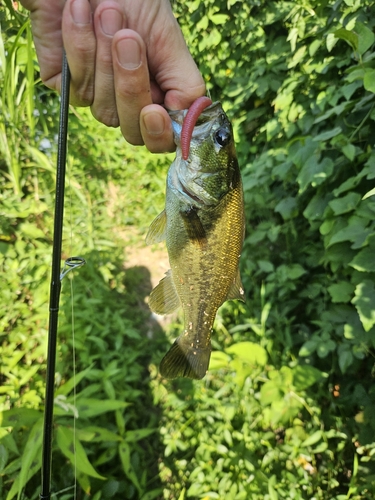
236,291
164,298
194,227
157,230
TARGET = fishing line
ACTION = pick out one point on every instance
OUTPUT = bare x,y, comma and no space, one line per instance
73,332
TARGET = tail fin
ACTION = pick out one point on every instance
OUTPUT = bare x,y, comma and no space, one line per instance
182,360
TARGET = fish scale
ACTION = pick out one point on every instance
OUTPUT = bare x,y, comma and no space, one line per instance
203,224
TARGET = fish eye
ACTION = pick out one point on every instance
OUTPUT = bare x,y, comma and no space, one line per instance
223,136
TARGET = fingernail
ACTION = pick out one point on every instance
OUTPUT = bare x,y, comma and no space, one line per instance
110,21
154,123
80,11
129,53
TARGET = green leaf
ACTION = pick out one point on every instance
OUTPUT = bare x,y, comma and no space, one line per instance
331,41
270,393
341,291
134,436
96,434
19,417
349,37
272,492
124,452
31,230
345,204
298,56
72,382
345,357
365,37
369,193
266,266
3,457
354,232
92,407
325,347
287,208
349,183
364,261
16,486
74,451
219,18
369,80
300,152
30,455
355,74
219,360
314,46
305,376
292,272
314,172
250,352
308,347
84,482
364,302
316,207
313,439
349,151
151,495
325,136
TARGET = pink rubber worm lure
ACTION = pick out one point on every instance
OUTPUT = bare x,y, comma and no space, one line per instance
189,123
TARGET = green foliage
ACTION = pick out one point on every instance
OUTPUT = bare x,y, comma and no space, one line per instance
297,80
287,408
111,443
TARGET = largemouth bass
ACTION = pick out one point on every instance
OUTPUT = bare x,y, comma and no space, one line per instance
203,225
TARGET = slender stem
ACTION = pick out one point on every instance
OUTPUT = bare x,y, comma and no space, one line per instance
55,284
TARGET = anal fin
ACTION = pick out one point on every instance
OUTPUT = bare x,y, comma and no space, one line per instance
236,291
164,298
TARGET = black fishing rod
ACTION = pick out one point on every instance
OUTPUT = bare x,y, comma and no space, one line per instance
56,278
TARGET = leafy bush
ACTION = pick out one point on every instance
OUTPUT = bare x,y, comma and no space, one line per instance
297,80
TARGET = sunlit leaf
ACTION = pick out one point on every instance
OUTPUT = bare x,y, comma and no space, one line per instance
249,352
364,302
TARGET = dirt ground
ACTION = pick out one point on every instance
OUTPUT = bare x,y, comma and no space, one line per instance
147,265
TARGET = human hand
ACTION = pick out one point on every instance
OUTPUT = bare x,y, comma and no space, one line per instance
128,62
